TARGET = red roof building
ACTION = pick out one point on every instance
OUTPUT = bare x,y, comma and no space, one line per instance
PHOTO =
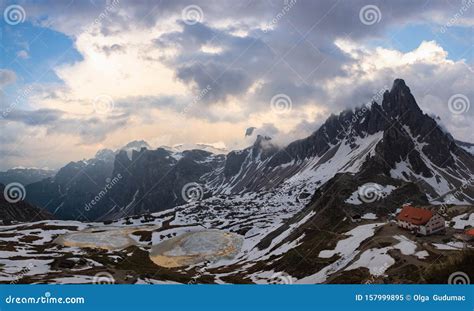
413,215
470,232
420,220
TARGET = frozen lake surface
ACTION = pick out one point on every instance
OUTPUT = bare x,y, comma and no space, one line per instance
195,247
108,239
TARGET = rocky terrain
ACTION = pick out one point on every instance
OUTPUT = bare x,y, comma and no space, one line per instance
320,210
313,246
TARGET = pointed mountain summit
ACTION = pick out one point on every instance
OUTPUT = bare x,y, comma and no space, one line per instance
399,100
392,141
136,145
394,138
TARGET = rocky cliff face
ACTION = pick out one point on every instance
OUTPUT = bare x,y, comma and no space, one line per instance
77,183
153,180
394,138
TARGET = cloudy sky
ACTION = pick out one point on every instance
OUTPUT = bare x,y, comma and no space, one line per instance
78,76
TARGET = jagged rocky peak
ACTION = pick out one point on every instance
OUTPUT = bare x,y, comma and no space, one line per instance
136,145
105,155
399,84
263,147
399,101
215,147
261,140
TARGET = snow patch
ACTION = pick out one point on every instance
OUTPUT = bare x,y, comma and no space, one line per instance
370,216
463,221
378,190
348,246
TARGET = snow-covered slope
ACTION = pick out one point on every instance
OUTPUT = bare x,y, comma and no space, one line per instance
395,138
294,208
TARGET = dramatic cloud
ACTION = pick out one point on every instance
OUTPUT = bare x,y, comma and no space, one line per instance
279,66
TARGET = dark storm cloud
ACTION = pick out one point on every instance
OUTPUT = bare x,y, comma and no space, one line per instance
313,19
280,51
222,81
34,118
295,57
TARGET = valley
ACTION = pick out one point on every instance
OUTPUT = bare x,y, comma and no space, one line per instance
369,251
329,208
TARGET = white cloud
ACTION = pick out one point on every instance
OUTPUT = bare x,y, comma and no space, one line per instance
321,74
118,72
432,77
22,54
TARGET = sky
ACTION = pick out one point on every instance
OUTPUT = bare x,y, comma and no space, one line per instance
80,76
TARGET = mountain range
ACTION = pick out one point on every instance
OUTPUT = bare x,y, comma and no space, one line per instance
25,175
393,139
319,210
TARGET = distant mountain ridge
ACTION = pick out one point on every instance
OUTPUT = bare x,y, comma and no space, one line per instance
25,175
